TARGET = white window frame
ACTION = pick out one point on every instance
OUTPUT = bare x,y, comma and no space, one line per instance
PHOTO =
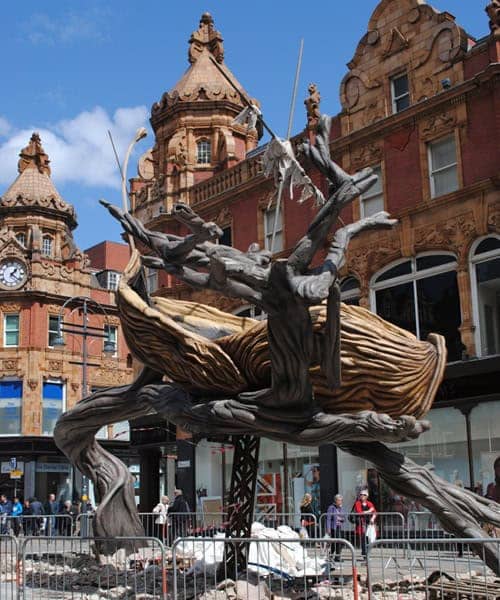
113,279
49,330
21,238
411,277
433,171
203,151
473,262
5,317
57,381
108,328
268,229
151,280
350,294
395,98
370,195
50,240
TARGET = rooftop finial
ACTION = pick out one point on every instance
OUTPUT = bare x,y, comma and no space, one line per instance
33,156
493,11
206,36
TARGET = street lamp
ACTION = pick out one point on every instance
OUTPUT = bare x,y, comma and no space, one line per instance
85,331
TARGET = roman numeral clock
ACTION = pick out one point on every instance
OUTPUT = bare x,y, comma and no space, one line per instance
13,273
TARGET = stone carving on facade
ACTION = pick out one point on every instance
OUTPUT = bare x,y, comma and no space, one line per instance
54,270
50,202
438,124
10,307
493,12
396,43
493,222
206,36
367,260
145,166
224,216
55,366
447,44
312,105
75,386
366,155
32,384
455,235
10,364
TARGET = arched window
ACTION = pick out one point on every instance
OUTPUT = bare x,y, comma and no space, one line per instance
203,152
421,295
349,290
47,245
485,272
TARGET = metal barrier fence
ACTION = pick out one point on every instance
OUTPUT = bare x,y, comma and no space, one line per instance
285,567
74,568
424,524
32,525
168,528
9,573
389,525
293,520
433,568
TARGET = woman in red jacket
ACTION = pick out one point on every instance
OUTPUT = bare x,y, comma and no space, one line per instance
367,514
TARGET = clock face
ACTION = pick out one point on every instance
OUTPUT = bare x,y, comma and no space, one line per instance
13,273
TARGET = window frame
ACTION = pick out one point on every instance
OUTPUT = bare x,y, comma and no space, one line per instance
112,275
62,384
411,277
10,379
473,262
107,327
432,172
49,330
372,195
151,274
48,238
268,234
352,294
18,330
394,98
203,151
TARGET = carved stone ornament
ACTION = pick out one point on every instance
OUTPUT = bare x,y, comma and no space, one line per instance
33,384
366,155
493,12
10,364
438,124
454,234
33,155
75,386
312,105
10,307
55,366
206,36
396,43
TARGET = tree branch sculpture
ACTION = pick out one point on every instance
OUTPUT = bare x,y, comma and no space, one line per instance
316,371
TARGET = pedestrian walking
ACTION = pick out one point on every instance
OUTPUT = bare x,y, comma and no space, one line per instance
365,515
161,521
17,511
307,516
335,523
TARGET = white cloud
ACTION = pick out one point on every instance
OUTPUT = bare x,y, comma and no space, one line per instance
67,28
79,149
4,127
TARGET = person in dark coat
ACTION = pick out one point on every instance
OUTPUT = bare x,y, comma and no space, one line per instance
67,520
5,513
51,508
307,516
27,518
179,513
36,511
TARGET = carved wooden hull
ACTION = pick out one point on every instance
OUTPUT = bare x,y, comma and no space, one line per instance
384,368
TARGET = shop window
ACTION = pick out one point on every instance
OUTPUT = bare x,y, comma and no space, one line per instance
11,330
349,291
11,393
273,222
421,295
400,91
52,405
47,245
203,152
372,201
111,333
486,295
443,168
121,431
485,437
53,329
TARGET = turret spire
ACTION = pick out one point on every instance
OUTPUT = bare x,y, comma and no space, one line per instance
33,156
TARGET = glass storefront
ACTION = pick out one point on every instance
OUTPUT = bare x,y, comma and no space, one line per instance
485,434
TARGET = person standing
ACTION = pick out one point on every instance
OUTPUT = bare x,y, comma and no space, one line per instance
67,519
307,516
160,529
27,518
5,513
51,508
37,512
17,511
335,523
365,514
179,514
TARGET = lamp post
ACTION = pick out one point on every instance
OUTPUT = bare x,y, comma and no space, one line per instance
85,331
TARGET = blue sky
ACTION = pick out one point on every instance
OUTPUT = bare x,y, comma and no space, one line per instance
72,70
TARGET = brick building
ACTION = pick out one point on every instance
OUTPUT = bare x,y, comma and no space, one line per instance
40,269
420,104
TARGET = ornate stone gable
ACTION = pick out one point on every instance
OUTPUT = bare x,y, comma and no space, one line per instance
404,36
